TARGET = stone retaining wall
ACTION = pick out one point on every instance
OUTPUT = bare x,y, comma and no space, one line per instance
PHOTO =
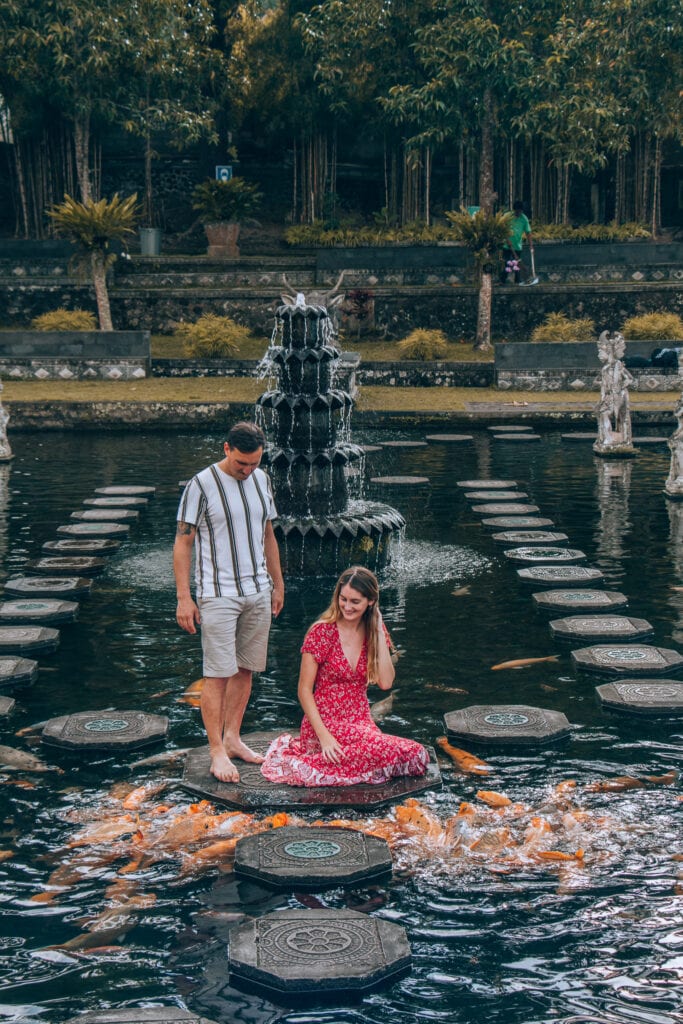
74,355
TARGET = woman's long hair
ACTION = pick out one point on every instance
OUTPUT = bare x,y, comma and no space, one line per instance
365,582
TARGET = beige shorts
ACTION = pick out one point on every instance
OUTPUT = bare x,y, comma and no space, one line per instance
235,633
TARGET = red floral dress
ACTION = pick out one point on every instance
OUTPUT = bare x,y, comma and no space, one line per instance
341,698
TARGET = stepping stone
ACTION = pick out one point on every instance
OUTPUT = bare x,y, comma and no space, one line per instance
7,705
522,537
560,575
403,444
253,792
517,522
28,640
399,481
596,627
449,438
300,857
115,502
127,491
82,547
48,586
517,437
140,1015
88,530
182,484
624,659
67,565
512,724
643,697
496,495
654,441
315,951
17,671
106,515
367,448
38,610
509,428
105,730
544,556
505,508
484,484
579,435
556,600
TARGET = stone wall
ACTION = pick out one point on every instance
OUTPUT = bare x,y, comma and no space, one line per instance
79,355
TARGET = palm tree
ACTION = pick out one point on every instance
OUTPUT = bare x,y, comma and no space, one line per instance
485,235
92,227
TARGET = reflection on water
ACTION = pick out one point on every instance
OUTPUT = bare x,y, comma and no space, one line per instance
562,905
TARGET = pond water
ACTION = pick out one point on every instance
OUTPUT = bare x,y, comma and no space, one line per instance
497,932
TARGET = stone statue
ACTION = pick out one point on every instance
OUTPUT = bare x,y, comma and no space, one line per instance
329,300
614,416
673,488
5,450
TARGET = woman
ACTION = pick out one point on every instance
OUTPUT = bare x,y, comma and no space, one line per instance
339,744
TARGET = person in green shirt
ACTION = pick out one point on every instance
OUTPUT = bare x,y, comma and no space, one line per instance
520,228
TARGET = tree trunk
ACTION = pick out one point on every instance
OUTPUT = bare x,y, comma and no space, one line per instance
82,151
99,280
486,159
656,221
482,341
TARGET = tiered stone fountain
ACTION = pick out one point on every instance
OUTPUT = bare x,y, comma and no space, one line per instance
323,525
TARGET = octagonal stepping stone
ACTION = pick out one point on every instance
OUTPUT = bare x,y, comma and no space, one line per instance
517,522
449,438
105,730
67,565
544,556
7,705
496,485
95,546
496,495
46,611
106,515
505,508
254,792
299,857
28,640
116,502
367,448
596,627
48,586
399,481
512,724
140,1015
403,444
17,671
108,529
509,428
579,435
556,600
127,490
627,659
644,442
524,537
313,951
653,697
560,575
517,437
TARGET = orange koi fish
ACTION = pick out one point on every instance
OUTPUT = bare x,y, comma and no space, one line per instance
487,796
465,761
523,662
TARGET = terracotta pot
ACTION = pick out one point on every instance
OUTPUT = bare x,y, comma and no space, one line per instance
222,238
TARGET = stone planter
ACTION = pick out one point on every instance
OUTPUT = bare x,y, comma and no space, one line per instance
222,238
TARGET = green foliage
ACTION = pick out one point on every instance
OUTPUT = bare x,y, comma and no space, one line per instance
219,201
65,320
484,234
317,234
653,326
558,327
591,232
423,345
93,226
212,337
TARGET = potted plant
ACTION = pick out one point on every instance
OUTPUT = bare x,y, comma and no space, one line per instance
222,207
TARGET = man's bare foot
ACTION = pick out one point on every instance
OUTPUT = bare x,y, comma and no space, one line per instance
223,768
241,751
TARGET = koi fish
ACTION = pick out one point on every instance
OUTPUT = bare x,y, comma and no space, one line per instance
165,757
461,591
492,799
30,730
14,760
465,761
142,794
6,854
522,662
381,708
159,695
193,694
559,855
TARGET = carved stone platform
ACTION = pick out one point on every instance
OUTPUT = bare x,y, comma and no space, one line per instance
400,481
651,442
39,611
449,438
644,697
90,530
28,640
67,565
7,705
312,858
127,490
254,792
496,495
522,436
580,435
509,428
16,671
618,451
560,575
114,501
93,546
105,730
403,444
140,1015
597,627
627,659
106,515
544,556
517,522
316,951
530,537
505,508
48,586
495,485
511,724
556,600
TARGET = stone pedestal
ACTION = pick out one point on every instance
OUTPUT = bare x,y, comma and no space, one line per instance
105,730
494,485
598,627
48,586
545,556
17,671
85,546
643,697
506,724
28,640
560,575
45,611
94,530
627,660
67,565
589,600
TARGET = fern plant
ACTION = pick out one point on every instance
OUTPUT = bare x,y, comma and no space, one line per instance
212,337
423,345
654,327
559,327
65,320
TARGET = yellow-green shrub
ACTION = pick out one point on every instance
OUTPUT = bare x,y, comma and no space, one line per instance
559,327
423,344
212,337
65,320
654,327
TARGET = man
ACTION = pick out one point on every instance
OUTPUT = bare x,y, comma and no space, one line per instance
226,513
520,228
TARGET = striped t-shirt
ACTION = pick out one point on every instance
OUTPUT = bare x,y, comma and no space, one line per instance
230,516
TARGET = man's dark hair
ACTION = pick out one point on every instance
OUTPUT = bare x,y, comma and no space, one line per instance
246,437
518,206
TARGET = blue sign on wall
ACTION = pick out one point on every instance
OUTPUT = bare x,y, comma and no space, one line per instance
223,172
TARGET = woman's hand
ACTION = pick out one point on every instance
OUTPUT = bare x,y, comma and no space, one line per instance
331,749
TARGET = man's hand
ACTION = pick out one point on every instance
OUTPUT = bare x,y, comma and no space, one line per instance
277,598
187,615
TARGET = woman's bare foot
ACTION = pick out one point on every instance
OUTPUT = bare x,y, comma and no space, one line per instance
241,751
223,769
